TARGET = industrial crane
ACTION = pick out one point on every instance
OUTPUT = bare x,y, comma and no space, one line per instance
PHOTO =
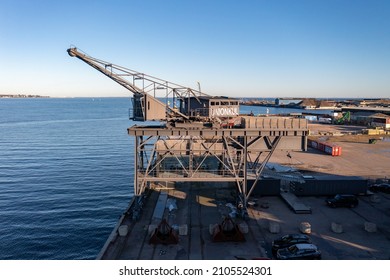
346,118
182,104
206,140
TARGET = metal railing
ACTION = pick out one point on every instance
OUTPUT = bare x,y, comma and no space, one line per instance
172,173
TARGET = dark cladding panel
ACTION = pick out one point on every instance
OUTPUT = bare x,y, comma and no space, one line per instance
330,186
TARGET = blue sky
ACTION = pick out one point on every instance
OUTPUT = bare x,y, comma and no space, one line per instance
263,48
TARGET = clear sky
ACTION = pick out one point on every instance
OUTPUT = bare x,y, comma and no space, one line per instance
262,48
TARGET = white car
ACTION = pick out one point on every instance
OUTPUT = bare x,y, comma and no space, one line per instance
299,252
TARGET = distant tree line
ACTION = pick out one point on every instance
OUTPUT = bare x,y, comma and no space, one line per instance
22,96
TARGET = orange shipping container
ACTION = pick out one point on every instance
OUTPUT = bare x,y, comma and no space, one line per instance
328,148
332,149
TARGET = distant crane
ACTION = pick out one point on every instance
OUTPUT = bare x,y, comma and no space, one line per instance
346,118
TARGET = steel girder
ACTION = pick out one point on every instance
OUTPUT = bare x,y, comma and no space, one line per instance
197,159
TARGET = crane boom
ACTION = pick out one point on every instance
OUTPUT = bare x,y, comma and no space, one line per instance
107,69
193,104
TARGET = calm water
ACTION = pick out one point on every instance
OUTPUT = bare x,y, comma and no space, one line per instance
65,175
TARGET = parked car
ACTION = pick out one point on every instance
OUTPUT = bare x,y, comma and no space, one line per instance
343,200
384,187
288,240
299,252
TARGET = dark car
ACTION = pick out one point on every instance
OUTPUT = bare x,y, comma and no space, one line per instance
299,252
384,187
288,240
343,200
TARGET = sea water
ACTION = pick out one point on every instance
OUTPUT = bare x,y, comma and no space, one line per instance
66,175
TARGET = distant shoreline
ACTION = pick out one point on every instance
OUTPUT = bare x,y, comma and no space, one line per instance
22,96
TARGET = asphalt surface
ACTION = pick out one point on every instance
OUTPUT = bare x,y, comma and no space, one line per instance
354,243
358,158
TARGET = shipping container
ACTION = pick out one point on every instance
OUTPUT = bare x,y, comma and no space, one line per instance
326,147
332,150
